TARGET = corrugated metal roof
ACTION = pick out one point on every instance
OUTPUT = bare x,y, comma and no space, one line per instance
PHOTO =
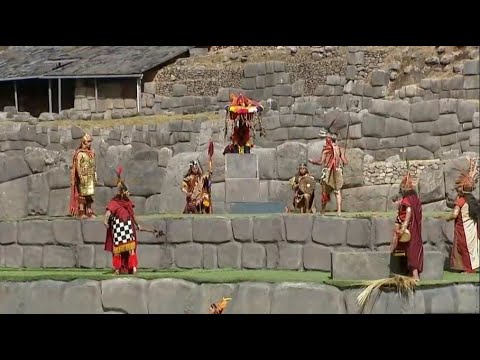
96,61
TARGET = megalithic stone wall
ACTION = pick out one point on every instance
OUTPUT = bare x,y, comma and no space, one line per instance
276,241
174,296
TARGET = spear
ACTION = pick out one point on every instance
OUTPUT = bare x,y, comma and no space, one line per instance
210,152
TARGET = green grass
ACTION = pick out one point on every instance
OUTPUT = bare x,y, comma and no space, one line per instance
131,121
200,276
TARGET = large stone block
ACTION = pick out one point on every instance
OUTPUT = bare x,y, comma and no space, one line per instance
329,232
102,258
144,178
446,124
254,256
364,199
316,257
82,297
59,178
168,296
189,256
58,202
267,169
35,232
125,295
468,298
373,126
360,265
8,232
289,157
44,297
396,127
353,171
431,185
242,229
58,257
230,255
145,237
269,229
241,166
86,256
14,199
200,299
33,256
13,297
242,190
179,230
471,67
13,256
251,298
290,256
439,300
382,229
210,256
298,227
425,111
466,109
37,194
67,232
93,232
154,257
359,232
471,82
296,298
12,167
212,230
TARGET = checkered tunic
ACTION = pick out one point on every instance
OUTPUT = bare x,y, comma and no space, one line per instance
123,237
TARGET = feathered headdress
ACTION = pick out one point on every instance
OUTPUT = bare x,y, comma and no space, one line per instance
467,179
220,306
407,182
122,187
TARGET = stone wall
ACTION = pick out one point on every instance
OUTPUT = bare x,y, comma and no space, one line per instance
461,86
275,241
35,162
171,296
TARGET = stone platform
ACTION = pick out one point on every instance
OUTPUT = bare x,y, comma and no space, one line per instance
274,241
169,296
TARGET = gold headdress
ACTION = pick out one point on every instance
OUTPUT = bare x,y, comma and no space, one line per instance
122,187
467,179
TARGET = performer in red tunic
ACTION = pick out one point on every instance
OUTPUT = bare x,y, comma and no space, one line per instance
121,239
409,217
465,255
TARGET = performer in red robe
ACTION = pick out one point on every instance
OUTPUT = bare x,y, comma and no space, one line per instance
121,238
409,217
465,255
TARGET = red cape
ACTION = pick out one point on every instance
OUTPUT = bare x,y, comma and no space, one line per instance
415,245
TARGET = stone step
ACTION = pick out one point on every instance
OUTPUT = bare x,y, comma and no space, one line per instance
374,265
272,207
241,166
242,190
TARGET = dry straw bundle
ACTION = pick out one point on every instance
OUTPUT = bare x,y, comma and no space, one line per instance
405,286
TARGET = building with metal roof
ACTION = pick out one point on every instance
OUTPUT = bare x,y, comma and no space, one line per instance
43,78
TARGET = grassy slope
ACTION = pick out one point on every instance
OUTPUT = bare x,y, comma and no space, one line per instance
211,276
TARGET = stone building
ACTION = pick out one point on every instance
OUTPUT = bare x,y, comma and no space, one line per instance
88,81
